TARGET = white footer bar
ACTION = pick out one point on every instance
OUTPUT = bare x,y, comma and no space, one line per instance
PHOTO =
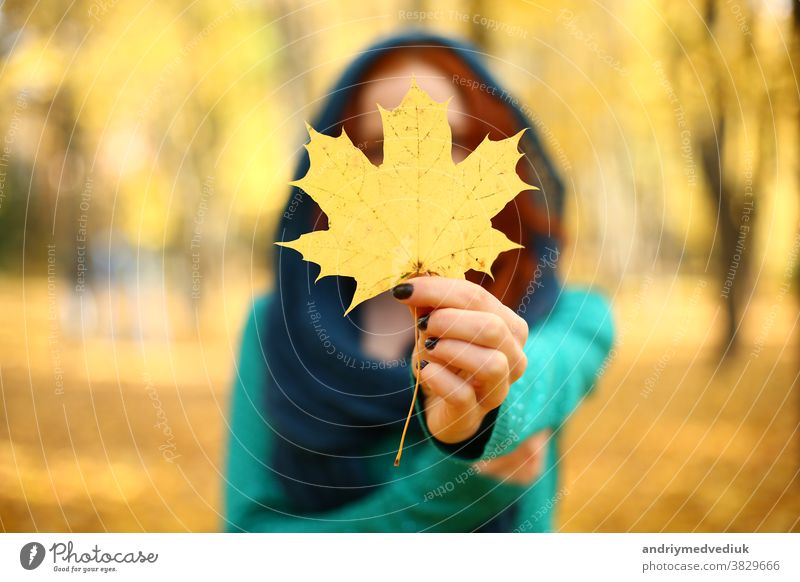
390,557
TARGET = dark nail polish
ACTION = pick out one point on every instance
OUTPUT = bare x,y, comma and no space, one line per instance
423,363
422,322
431,342
402,291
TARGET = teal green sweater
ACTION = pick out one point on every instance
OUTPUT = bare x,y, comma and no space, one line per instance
431,490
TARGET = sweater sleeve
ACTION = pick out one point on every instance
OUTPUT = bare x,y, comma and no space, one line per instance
428,492
565,355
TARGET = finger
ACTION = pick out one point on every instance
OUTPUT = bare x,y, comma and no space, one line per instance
484,329
524,464
540,442
417,356
530,469
517,325
418,312
438,292
438,380
487,369
499,466
515,467
532,457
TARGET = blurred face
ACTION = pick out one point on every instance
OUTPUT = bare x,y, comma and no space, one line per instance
388,90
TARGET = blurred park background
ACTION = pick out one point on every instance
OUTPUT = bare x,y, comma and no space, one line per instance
146,149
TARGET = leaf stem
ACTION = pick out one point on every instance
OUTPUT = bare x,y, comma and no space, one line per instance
413,398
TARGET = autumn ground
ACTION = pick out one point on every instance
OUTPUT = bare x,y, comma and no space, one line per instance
101,434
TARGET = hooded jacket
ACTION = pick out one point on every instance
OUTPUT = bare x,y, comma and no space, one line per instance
315,422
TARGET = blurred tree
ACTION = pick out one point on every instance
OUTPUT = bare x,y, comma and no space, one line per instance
735,207
149,105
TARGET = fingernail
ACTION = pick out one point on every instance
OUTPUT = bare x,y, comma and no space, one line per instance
402,291
423,363
422,322
430,343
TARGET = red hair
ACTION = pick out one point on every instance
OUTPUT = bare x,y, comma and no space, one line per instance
521,220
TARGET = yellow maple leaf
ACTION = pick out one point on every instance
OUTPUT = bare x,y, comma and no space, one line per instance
416,213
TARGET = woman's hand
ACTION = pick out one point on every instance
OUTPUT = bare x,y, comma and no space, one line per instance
471,352
523,465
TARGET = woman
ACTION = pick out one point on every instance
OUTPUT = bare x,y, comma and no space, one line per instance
321,399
